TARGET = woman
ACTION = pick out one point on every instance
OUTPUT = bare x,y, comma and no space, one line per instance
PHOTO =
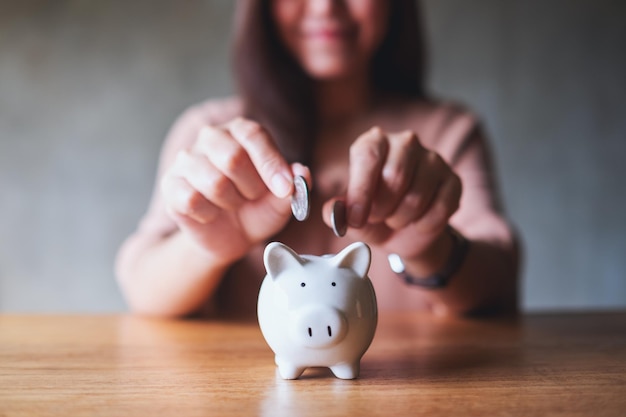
331,90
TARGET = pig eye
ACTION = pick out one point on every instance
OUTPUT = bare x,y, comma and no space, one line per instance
334,284
302,284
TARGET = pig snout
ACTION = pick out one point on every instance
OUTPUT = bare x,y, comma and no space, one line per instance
318,326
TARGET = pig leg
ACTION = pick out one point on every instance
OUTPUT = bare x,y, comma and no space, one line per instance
288,370
346,370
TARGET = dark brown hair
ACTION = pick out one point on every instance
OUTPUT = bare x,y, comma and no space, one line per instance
277,93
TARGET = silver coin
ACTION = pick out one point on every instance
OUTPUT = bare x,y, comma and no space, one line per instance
338,218
301,199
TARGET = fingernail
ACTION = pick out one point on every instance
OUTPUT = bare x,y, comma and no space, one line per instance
298,169
356,215
196,217
281,185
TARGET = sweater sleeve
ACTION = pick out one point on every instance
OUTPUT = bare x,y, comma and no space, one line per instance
458,136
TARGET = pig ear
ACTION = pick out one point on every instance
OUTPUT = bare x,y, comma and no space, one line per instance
357,257
279,257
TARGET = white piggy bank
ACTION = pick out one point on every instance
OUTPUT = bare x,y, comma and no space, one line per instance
317,311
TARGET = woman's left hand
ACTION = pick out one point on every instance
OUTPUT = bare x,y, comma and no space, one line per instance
400,195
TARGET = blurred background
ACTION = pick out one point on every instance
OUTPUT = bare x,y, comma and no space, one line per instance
89,89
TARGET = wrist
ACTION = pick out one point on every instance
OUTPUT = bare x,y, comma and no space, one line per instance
435,266
199,255
432,258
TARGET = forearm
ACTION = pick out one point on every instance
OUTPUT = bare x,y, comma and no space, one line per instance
169,277
486,280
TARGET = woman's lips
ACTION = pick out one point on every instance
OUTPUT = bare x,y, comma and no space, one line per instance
325,33
329,35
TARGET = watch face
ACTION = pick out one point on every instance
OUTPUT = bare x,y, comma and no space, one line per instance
395,263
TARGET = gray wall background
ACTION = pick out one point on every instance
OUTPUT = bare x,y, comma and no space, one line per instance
89,89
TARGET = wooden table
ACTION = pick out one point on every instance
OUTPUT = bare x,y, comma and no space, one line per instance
537,365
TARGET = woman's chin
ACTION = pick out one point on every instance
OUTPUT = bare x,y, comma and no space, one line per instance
329,71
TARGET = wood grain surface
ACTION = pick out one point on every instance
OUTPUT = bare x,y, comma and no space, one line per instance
535,365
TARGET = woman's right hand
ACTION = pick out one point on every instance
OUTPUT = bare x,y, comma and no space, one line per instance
230,190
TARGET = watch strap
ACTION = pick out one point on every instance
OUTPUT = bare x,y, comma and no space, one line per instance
440,279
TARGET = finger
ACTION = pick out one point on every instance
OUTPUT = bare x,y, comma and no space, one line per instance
370,233
426,181
304,171
265,156
232,160
367,156
184,221
397,174
442,207
181,199
198,171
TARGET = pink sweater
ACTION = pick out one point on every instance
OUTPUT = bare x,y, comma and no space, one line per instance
445,128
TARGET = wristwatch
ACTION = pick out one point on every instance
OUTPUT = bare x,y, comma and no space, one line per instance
460,246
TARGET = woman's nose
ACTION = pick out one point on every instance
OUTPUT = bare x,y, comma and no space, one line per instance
323,7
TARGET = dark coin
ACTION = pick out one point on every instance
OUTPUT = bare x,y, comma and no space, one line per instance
338,218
